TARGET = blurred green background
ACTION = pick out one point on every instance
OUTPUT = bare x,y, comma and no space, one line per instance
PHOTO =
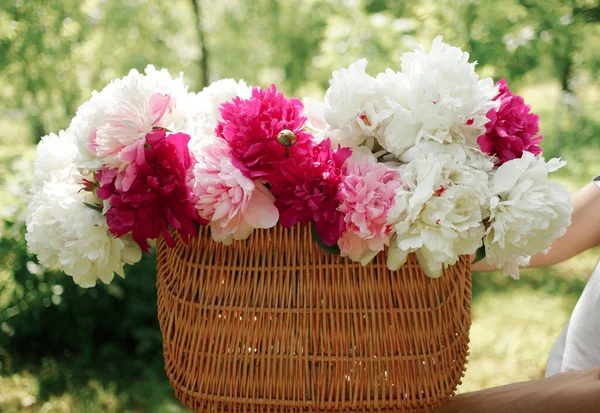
65,349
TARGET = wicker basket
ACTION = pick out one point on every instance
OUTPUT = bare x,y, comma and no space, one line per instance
273,323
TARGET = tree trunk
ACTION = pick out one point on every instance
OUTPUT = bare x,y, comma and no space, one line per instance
202,40
470,15
37,127
566,74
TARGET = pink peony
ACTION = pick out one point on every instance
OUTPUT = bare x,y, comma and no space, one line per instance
157,197
232,203
120,141
368,192
251,126
512,129
307,189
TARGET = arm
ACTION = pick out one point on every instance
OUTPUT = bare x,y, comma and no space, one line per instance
584,232
572,392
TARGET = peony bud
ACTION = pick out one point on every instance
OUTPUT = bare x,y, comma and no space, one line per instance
89,186
286,137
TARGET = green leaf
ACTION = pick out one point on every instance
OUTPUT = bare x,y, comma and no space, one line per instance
160,127
93,206
479,255
334,249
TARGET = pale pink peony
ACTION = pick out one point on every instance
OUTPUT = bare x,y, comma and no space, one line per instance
121,141
367,192
512,129
111,128
232,203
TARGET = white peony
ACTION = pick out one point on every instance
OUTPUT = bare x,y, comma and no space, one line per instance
460,153
437,96
398,95
355,108
439,211
67,235
54,158
205,107
83,125
314,111
111,127
527,212
202,122
222,91
176,116
62,231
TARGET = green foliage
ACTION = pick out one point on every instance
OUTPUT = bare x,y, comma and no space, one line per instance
109,333
515,38
26,391
266,41
54,53
44,313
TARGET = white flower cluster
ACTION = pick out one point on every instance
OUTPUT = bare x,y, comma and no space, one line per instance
527,212
453,199
436,96
445,100
439,209
453,202
355,108
63,231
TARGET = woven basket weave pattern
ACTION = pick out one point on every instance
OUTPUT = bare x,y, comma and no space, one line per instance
273,323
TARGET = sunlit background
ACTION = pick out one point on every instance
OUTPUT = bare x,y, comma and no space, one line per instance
65,349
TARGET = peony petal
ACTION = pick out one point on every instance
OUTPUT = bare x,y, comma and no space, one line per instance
261,212
243,230
158,105
368,256
507,176
314,112
430,267
126,178
396,257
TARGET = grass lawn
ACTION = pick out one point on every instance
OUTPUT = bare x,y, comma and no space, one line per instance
514,322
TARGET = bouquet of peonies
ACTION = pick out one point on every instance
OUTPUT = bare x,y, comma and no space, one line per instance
430,159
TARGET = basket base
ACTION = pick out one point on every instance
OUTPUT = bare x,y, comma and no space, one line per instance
274,324
216,407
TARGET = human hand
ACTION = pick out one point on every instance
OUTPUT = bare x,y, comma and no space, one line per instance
564,393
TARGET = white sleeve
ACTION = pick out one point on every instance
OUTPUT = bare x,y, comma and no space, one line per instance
555,358
582,341
578,346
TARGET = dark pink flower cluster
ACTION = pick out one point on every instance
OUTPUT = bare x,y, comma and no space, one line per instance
250,127
307,187
511,129
304,176
158,196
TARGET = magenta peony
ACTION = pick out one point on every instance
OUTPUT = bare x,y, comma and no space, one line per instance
512,129
251,127
367,192
307,189
232,203
158,196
